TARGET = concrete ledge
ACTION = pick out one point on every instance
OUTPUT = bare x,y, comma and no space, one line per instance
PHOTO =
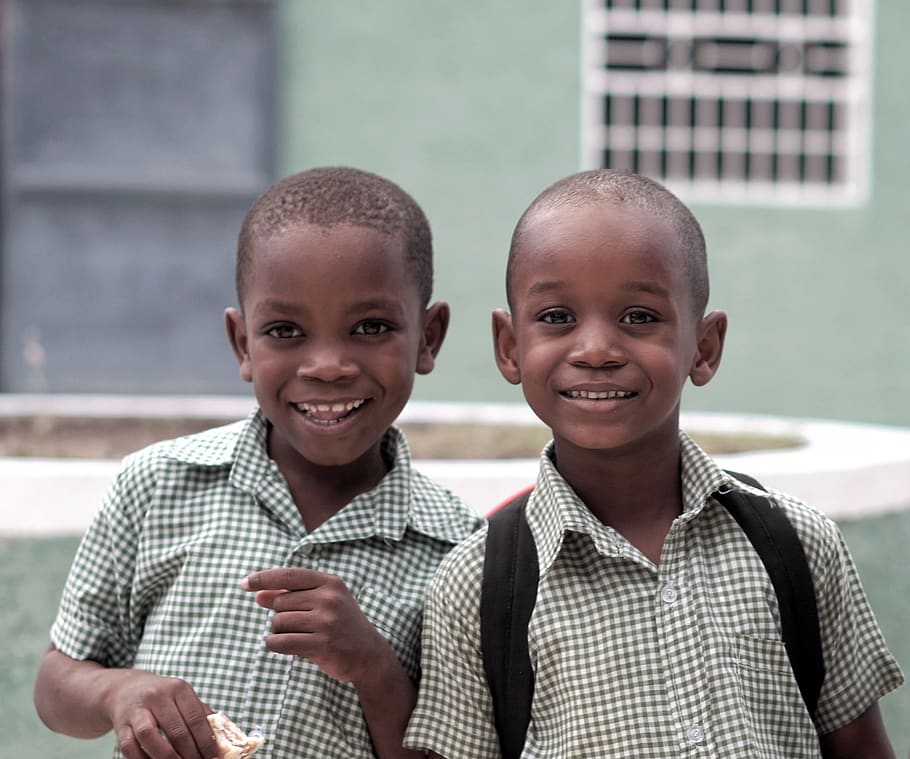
847,470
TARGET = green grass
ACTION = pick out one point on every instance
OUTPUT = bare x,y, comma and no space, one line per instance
32,574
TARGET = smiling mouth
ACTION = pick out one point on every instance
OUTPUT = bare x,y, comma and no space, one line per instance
327,414
606,395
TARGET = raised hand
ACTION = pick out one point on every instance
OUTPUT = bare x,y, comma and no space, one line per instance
318,619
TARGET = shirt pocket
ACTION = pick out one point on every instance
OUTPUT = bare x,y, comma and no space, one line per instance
398,621
771,702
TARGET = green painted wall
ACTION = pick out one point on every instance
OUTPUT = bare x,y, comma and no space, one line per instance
475,112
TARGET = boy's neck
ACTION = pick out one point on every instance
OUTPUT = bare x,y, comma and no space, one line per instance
319,492
638,494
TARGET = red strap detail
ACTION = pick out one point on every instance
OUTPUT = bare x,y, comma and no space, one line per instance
509,500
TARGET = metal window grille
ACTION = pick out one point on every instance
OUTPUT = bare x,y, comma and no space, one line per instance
745,101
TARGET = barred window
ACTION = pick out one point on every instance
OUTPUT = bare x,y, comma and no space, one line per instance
747,101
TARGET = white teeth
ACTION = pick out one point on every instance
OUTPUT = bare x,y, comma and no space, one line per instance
607,395
330,408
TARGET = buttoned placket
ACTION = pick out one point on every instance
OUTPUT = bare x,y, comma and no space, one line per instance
272,680
682,662
303,555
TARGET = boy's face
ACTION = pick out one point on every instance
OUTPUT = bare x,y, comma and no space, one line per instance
603,335
331,334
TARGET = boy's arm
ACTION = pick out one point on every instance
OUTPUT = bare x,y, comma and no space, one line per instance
859,667
387,697
454,712
151,716
863,738
318,619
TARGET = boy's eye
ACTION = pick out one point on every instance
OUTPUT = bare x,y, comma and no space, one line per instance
371,328
638,317
283,331
556,316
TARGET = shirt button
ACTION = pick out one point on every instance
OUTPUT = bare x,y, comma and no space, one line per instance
669,594
695,734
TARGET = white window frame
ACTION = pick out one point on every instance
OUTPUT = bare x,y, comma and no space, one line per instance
848,33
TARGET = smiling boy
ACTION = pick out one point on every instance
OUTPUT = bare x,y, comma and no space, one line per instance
305,523
656,628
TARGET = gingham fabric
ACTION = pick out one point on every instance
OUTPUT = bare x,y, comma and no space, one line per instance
156,581
683,659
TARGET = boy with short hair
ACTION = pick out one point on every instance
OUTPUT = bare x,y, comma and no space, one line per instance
305,523
656,627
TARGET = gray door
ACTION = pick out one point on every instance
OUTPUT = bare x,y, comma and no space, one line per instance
135,135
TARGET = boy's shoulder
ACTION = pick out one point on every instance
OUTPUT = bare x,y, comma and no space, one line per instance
459,575
215,446
818,533
181,459
703,477
435,510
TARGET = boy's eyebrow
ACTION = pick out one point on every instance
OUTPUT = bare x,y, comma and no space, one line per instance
634,286
370,304
546,286
377,304
274,304
647,286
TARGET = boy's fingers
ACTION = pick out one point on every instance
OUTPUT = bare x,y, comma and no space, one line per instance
302,644
267,598
195,715
283,578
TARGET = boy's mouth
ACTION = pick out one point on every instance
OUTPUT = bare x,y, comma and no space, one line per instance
604,395
328,414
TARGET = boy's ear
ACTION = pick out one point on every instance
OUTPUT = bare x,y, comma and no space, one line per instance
236,332
711,333
504,346
435,326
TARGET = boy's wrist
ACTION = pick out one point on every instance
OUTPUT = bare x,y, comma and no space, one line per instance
380,671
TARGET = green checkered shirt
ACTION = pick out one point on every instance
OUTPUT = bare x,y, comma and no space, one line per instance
156,581
683,659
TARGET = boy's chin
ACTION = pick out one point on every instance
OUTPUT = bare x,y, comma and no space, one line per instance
300,447
323,454
614,442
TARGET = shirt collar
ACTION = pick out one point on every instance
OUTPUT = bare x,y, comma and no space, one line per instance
554,508
403,499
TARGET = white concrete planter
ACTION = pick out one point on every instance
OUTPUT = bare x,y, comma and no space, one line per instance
847,470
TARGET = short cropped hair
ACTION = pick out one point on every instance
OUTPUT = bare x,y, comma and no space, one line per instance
625,188
334,195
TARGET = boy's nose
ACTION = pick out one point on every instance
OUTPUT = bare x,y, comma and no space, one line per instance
327,363
597,346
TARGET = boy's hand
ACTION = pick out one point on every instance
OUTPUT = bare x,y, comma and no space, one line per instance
153,717
158,717
317,618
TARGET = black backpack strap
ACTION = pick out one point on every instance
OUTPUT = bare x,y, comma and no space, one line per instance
509,592
507,597
781,551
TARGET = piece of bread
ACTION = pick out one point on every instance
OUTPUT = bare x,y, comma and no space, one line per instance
232,742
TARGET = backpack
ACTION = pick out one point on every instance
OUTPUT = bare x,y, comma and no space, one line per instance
509,592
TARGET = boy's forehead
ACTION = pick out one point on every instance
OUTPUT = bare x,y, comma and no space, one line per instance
592,245
306,232
321,249
319,241
551,233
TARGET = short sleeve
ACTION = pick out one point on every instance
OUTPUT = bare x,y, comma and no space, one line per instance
453,716
859,668
93,619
